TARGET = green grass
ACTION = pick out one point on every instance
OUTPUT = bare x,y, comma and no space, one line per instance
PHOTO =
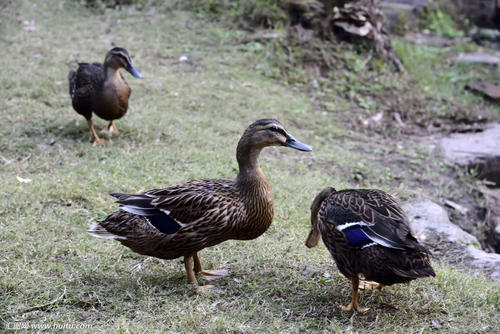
441,23
184,122
437,72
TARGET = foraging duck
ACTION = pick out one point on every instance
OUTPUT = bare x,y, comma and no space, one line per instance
100,88
367,233
184,219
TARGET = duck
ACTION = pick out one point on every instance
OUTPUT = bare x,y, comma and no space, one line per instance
367,233
102,89
181,220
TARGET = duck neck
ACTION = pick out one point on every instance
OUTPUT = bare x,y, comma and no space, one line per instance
250,177
248,160
111,74
255,192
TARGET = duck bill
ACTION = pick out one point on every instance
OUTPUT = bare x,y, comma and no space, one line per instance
294,143
313,238
132,70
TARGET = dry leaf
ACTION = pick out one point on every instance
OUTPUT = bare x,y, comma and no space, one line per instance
20,179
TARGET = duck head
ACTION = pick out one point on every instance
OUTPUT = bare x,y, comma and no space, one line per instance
315,236
270,132
117,58
260,134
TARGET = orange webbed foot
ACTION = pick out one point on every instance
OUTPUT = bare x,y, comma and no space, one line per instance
353,307
368,285
98,141
211,275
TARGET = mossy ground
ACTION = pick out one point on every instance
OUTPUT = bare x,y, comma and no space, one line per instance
184,121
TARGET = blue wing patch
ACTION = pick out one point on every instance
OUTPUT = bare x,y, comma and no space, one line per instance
160,219
350,225
357,233
356,238
164,223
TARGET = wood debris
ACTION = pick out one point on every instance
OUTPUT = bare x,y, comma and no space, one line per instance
366,20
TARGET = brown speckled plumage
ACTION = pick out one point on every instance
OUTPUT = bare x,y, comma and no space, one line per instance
381,246
213,211
101,89
201,213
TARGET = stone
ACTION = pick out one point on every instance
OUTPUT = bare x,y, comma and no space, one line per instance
487,89
472,148
309,271
433,40
405,5
478,57
492,199
485,262
430,224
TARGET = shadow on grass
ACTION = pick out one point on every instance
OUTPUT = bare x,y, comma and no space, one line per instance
135,286
75,132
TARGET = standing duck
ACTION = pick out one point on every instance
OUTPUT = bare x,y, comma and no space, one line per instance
100,88
184,219
367,233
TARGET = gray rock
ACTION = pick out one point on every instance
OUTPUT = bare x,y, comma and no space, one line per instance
497,225
485,88
309,271
472,148
405,5
486,262
429,221
433,40
492,199
478,57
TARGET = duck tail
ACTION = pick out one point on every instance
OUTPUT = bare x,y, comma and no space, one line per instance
414,264
98,231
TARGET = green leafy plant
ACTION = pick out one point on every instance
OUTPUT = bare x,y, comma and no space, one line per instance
441,23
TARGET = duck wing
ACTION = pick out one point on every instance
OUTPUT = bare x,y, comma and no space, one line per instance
186,205
85,81
369,217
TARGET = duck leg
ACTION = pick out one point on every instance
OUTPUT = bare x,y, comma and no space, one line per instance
110,128
188,263
209,275
353,305
96,140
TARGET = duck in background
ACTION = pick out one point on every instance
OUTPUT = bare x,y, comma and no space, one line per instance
101,88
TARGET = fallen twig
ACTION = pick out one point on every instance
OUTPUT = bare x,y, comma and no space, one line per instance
43,306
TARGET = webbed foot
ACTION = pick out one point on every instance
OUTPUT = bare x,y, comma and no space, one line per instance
205,288
98,141
212,275
368,285
353,306
110,128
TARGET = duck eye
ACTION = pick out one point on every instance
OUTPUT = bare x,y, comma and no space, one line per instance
274,128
